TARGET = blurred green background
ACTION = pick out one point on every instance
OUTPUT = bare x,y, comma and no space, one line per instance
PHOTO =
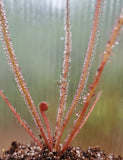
37,31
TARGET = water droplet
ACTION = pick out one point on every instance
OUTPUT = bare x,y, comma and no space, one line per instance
112,46
115,28
61,38
84,98
109,61
116,43
77,114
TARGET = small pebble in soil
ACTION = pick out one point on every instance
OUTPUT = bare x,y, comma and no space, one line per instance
19,151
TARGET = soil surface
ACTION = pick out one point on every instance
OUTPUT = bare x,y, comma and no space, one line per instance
19,151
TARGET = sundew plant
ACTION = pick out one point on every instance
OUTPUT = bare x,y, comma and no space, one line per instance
87,99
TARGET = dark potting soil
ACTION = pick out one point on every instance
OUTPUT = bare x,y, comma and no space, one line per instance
19,151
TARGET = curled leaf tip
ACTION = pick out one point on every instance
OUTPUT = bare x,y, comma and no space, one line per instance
43,106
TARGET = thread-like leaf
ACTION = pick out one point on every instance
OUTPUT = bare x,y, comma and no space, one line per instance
44,107
64,80
85,68
107,52
88,114
26,127
10,53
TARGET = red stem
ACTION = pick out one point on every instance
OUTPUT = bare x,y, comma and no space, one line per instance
96,80
66,66
84,70
43,108
91,109
17,72
26,127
